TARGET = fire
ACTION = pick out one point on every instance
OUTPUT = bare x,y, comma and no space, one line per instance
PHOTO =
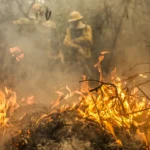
110,105
8,105
84,86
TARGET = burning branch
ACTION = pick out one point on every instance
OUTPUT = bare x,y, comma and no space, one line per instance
109,84
97,111
139,111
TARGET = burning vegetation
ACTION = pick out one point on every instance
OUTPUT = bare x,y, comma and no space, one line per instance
112,115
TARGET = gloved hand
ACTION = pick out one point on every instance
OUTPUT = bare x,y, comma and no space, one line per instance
81,51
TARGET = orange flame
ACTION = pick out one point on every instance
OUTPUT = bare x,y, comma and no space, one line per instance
110,106
8,104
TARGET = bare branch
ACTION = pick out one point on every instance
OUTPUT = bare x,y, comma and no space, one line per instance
137,64
21,8
143,93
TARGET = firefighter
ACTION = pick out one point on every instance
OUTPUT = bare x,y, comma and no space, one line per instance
52,46
48,35
40,12
26,29
48,41
43,34
36,11
78,40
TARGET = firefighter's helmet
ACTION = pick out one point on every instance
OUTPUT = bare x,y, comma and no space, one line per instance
36,7
22,21
74,16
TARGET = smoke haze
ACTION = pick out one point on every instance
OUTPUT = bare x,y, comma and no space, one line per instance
120,27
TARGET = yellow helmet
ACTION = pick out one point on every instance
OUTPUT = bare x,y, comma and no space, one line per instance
49,24
36,7
74,16
22,21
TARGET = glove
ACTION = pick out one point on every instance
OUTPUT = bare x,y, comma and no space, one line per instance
81,51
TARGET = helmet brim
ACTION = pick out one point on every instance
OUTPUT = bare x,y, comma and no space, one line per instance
72,20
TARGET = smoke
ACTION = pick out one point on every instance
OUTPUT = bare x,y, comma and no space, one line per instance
75,144
121,27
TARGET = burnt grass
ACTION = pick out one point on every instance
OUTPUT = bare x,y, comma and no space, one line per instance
65,131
